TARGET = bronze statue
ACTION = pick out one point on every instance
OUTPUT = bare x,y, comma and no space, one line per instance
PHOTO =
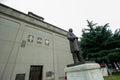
75,49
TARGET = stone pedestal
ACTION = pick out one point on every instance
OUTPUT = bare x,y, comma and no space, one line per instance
88,71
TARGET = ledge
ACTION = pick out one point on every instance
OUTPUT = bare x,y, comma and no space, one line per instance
82,67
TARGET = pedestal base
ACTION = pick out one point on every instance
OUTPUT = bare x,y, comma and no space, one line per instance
88,71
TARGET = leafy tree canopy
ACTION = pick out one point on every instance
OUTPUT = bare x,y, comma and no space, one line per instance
99,43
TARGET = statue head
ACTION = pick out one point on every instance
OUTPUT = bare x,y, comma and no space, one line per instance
70,30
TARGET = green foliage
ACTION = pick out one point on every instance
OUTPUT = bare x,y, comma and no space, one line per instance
116,76
99,43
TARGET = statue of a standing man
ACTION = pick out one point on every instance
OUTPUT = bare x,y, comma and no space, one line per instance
75,49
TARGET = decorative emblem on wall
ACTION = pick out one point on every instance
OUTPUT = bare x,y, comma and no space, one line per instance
23,43
30,38
39,40
47,42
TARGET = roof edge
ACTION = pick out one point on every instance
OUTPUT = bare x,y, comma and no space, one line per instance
60,31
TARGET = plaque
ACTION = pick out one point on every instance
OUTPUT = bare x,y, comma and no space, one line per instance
49,74
20,76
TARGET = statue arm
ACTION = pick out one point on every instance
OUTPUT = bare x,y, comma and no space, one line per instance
70,37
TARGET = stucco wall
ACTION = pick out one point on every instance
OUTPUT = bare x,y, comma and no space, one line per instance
15,58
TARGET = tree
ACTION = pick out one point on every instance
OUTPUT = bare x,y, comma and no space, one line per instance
99,43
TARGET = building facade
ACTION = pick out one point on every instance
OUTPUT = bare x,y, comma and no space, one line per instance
31,49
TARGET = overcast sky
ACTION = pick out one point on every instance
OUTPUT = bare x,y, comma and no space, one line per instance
71,13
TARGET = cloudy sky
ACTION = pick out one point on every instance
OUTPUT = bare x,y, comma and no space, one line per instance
71,13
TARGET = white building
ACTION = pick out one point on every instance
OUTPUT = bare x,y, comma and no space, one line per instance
31,49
